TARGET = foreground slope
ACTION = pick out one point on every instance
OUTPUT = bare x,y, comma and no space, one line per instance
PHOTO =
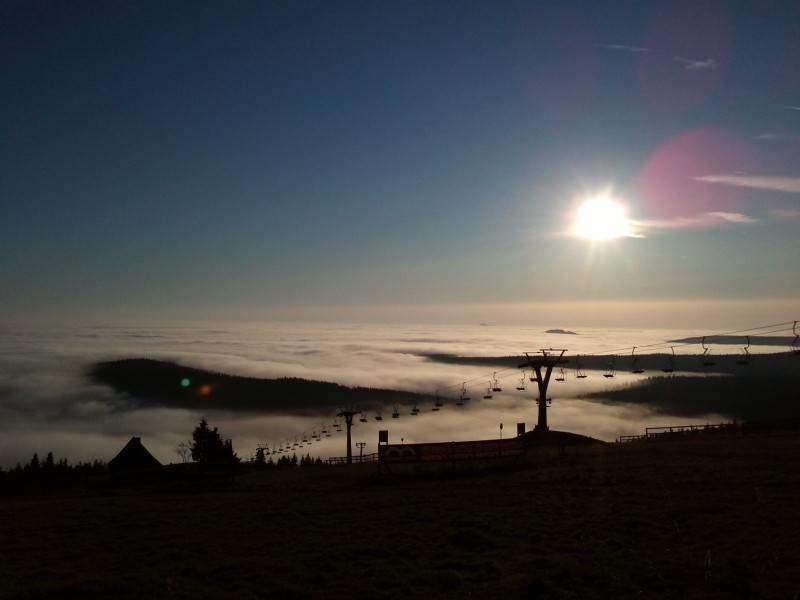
701,518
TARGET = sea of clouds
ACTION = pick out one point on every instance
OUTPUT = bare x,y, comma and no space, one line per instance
47,403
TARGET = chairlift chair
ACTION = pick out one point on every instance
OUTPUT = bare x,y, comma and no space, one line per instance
670,368
745,360
579,373
611,372
521,386
463,397
438,403
395,413
363,418
496,384
379,417
796,340
488,394
706,359
415,410
562,375
636,368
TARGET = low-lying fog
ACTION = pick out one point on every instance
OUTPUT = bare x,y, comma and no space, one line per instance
48,404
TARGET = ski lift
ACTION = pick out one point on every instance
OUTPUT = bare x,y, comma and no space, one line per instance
415,411
562,375
463,397
521,386
670,368
796,340
488,394
379,417
363,418
496,384
579,373
611,371
707,362
438,403
395,413
636,368
745,360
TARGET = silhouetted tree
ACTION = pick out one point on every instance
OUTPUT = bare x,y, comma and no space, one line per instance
209,447
183,450
260,459
34,465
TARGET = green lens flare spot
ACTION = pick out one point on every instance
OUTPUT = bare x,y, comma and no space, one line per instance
186,382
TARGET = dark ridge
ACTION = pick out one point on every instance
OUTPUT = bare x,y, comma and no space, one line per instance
149,383
561,331
739,340
761,364
747,398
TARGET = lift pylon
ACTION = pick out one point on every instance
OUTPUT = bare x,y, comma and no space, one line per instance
550,357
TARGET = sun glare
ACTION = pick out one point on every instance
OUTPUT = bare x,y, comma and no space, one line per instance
600,218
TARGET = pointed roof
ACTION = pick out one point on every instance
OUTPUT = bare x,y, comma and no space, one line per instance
133,456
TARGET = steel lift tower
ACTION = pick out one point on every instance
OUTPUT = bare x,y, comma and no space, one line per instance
550,357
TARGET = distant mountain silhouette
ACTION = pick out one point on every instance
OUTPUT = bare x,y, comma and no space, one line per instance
749,398
739,340
562,331
759,364
148,382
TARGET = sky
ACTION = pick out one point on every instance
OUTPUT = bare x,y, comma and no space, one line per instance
219,160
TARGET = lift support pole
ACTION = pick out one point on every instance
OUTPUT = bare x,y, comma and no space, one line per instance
546,361
348,420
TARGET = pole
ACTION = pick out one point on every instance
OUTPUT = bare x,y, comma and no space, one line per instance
348,419
547,360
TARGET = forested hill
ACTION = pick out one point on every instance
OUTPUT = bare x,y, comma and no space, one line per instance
146,382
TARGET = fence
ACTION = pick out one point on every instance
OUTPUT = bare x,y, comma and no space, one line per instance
657,432
342,460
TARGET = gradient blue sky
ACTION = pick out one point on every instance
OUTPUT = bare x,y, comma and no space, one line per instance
210,158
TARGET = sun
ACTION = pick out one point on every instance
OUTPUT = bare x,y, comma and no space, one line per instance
600,218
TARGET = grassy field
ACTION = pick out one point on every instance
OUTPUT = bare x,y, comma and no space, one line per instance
709,518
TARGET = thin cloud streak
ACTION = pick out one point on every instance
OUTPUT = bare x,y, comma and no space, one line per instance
697,65
785,214
702,221
791,107
625,48
789,185
775,137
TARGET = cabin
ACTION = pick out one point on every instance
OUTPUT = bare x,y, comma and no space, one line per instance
133,457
